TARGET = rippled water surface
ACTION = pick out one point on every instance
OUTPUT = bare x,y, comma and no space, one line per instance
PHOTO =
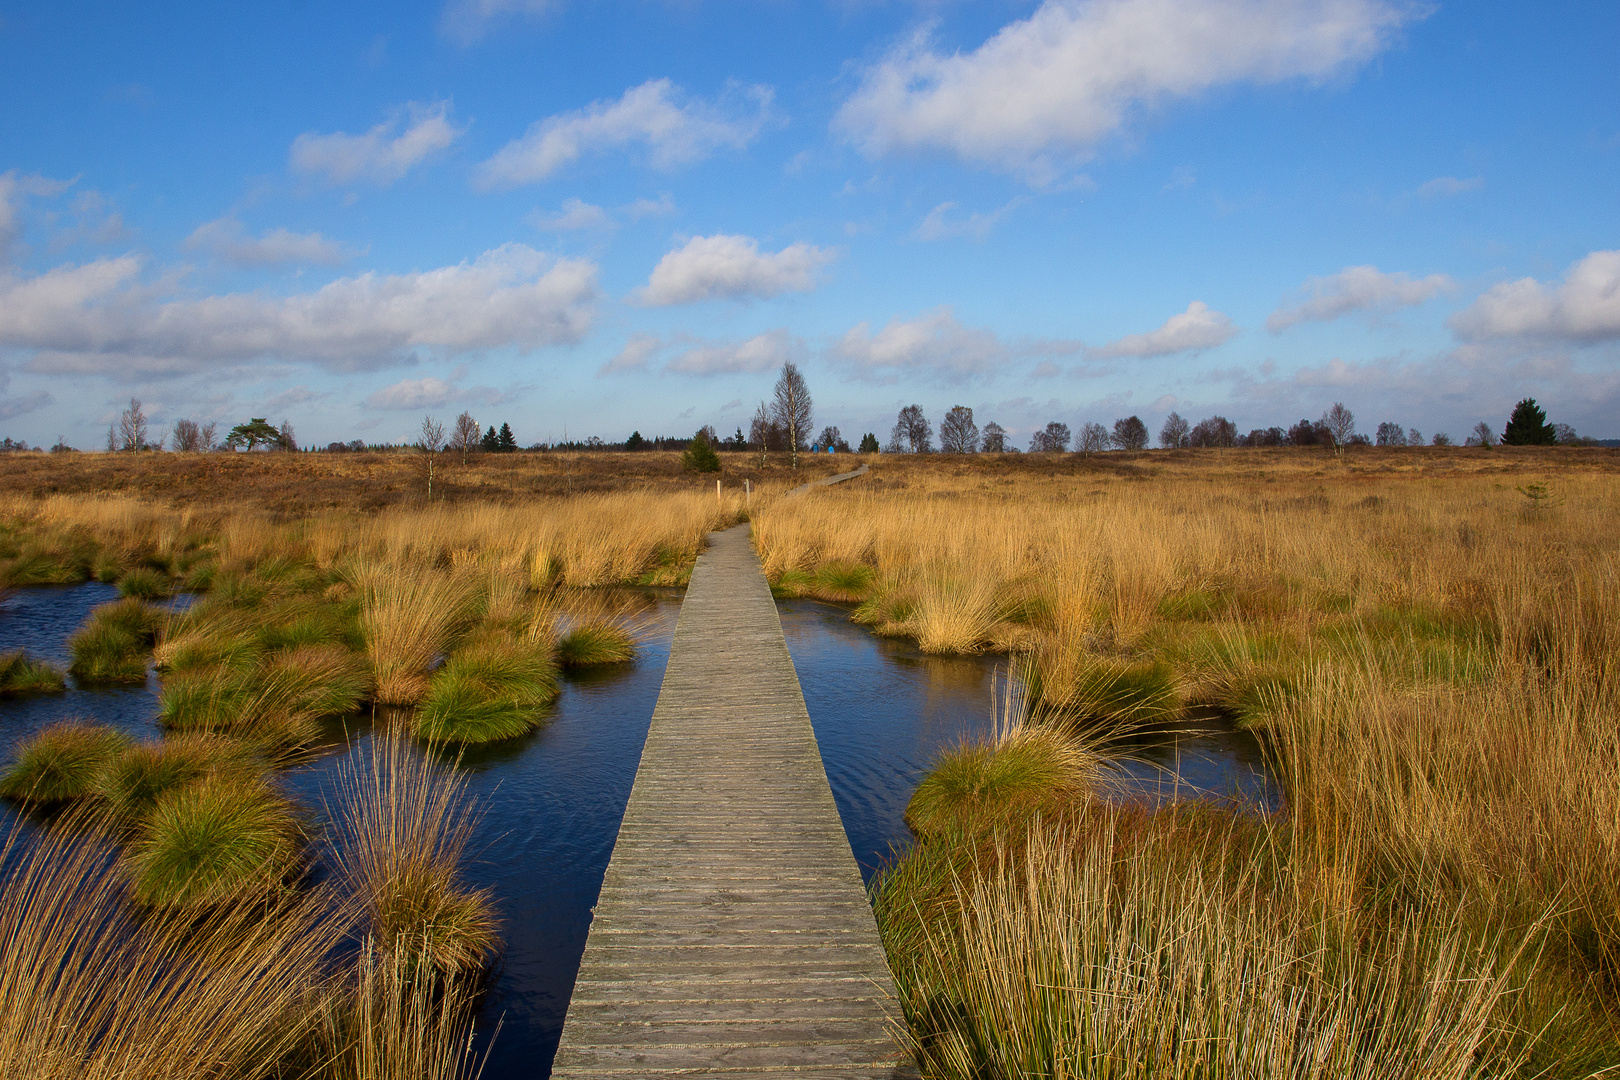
553,801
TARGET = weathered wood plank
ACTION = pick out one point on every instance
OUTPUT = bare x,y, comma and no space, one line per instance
732,935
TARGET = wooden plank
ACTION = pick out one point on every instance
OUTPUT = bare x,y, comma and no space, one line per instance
732,935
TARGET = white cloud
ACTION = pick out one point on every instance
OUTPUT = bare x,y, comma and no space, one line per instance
15,189
99,318
576,215
934,343
1045,90
763,352
659,207
940,225
426,393
1444,187
637,353
224,238
1199,327
731,267
656,115
468,20
379,156
298,395
1585,307
1357,288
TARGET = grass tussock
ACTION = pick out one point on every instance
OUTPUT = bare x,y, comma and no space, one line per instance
23,674
1023,772
132,782
221,840
62,762
486,692
409,618
594,642
115,642
401,842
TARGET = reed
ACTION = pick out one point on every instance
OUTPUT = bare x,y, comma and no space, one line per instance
24,674
92,990
409,618
62,762
401,838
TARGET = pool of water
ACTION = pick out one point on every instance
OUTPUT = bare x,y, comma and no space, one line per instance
882,713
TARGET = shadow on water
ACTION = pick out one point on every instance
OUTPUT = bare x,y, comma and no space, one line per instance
553,800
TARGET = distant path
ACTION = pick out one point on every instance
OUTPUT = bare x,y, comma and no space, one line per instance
827,481
733,935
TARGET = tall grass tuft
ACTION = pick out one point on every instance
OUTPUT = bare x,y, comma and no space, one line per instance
589,643
62,762
132,782
145,583
92,990
114,642
23,674
400,841
277,702
224,838
409,617
486,692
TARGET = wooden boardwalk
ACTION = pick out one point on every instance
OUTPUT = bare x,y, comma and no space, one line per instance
733,935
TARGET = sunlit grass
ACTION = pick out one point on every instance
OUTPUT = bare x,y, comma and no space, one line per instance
62,762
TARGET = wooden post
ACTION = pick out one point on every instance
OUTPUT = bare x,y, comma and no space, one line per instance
717,493
748,493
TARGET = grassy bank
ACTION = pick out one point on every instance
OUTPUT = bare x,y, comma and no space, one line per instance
1427,647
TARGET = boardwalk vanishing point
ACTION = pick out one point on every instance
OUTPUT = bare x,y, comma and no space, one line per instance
733,935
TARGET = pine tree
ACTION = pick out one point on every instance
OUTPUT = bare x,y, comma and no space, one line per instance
700,455
504,442
869,443
491,442
1528,426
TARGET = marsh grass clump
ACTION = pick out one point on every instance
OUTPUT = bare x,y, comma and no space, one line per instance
1024,772
145,583
399,845
224,838
486,692
62,762
23,674
409,617
594,642
115,641
1086,690
132,782
276,701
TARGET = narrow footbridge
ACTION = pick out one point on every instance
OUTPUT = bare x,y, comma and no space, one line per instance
733,936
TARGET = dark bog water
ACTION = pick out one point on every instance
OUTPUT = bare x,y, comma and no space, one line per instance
553,801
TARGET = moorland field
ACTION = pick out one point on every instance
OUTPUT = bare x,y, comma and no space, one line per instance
1425,640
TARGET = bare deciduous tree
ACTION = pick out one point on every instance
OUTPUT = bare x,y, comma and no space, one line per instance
1173,435
1130,433
285,438
958,434
209,436
911,432
1093,438
1339,423
792,410
465,438
432,443
132,427
187,436
1054,439
994,439
1214,431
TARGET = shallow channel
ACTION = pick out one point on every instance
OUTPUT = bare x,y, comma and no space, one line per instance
882,712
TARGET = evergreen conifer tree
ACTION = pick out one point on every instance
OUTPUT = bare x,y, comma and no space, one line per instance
1528,426
700,455
869,443
504,442
491,442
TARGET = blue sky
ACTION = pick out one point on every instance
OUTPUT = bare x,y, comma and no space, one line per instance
587,218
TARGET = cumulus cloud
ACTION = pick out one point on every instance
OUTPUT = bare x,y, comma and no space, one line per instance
576,215
656,116
636,355
100,318
1583,308
383,154
225,239
763,352
15,190
942,224
1357,288
467,21
731,267
934,343
1199,327
426,393
1046,89
1444,187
